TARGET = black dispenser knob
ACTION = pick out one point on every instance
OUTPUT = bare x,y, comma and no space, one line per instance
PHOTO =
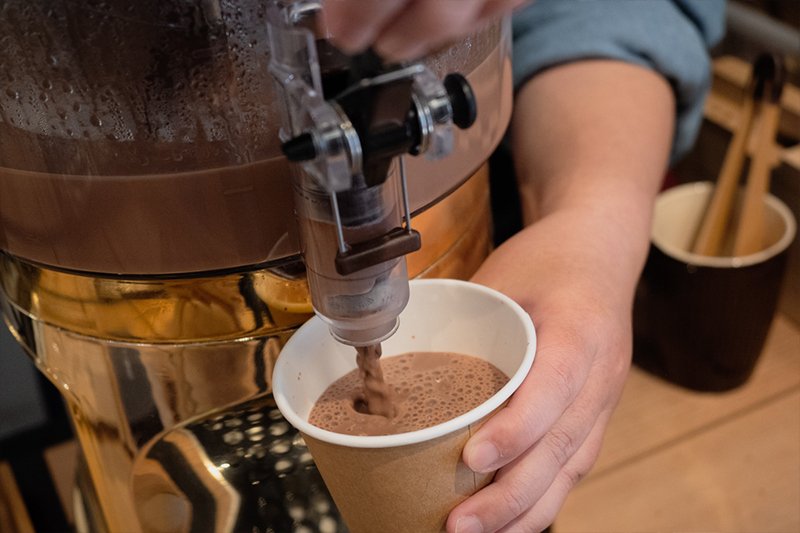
462,99
300,148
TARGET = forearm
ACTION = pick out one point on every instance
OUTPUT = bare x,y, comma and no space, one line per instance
591,133
591,141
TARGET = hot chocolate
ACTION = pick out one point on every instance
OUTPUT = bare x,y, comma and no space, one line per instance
378,395
428,388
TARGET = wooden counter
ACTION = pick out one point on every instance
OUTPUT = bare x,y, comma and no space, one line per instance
680,461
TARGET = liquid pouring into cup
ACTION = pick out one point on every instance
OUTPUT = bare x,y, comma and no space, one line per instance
406,481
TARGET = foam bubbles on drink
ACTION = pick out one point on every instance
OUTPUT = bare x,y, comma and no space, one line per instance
430,388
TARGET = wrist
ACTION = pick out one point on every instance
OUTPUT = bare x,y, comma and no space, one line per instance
574,254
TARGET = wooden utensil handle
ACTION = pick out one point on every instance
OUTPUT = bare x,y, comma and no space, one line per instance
750,230
715,221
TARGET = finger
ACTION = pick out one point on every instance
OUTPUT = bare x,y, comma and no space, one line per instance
558,374
545,511
355,24
424,25
518,486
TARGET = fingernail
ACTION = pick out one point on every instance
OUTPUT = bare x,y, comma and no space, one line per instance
469,524
483,457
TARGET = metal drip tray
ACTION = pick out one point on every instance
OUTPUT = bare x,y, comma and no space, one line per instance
244,470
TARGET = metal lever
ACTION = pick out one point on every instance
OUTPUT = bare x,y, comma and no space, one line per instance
412,135
395,243
426,128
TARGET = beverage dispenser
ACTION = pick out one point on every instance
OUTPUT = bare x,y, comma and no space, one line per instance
182,184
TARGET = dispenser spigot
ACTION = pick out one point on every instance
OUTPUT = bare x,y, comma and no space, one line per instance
348,122
396,110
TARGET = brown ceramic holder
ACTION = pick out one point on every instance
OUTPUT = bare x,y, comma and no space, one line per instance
701,321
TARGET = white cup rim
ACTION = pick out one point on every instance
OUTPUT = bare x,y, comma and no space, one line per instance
432,432
726,261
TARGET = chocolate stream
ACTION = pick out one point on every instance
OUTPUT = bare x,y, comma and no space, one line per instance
378,395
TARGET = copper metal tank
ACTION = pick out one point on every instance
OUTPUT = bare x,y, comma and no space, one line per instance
149,256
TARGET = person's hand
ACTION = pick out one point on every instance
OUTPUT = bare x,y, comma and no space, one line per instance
549,435
405,29
590,140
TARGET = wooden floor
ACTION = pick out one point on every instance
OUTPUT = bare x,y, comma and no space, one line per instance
680,461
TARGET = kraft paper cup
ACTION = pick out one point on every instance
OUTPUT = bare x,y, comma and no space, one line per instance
700,321
407,482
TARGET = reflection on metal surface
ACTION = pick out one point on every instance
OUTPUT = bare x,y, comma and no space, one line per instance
162,445
167,382
155,310
456,232
254,474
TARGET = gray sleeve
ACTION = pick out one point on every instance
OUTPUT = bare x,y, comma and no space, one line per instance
671,37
